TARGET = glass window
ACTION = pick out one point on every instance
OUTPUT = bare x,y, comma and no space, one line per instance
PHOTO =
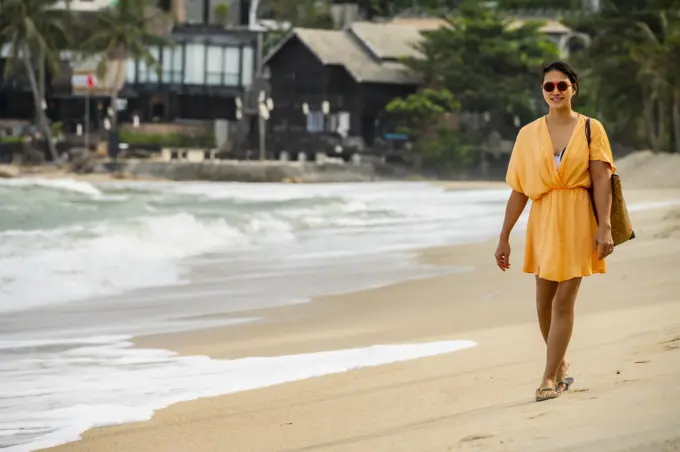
153,70
194,65
177,63
131,70
247,74
166,64
232,63
194,11
142,72
172,64
214,65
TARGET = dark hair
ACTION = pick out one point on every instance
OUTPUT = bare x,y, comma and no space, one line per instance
566,70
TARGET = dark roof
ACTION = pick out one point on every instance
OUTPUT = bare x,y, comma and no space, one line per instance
368,51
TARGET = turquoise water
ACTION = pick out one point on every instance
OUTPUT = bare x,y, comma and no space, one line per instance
67,240
83,267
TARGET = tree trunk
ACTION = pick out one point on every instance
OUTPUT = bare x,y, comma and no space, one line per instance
114,116
37,101
41,78
676,119
113,133
661,125
648,113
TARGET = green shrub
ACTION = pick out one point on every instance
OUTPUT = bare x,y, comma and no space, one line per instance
11,139
446,148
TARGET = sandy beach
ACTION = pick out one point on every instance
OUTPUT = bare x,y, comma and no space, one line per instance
625,358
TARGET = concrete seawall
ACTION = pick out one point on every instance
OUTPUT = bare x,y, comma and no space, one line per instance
244,171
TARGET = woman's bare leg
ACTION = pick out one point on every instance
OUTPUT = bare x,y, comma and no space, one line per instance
561,327
545,292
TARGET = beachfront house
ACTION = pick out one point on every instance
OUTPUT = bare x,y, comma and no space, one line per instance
213,62
200,78
339,81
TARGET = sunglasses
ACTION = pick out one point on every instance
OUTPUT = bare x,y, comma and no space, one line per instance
550,86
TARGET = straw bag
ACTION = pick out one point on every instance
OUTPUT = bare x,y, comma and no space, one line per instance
622,229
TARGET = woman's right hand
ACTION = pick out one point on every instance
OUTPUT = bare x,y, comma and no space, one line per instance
503,254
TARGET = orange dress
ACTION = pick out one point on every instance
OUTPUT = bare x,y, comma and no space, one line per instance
561,230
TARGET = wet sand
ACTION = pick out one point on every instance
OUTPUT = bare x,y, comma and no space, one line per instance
625,358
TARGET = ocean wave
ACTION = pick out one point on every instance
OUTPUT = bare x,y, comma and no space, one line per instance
110,257
79,244
66,185
52,397
241,246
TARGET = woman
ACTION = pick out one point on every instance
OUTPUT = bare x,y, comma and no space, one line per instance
553,165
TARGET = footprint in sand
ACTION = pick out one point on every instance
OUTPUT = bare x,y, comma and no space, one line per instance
471,438
672,344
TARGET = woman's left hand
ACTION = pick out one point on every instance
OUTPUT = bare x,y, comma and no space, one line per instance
604,240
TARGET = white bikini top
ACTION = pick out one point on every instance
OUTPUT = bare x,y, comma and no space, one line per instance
558,158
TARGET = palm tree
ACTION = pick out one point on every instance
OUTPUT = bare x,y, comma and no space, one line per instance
34,30
641,39
127,29
658,53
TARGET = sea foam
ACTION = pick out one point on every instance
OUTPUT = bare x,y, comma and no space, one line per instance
83,241
66,387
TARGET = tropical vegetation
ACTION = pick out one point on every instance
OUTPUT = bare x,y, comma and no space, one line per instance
485,68
297,13
632,70
479,72
128,29
37,33
539,4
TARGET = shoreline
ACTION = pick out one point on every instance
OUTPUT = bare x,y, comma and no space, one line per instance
471,267
49,172
641,169
458,306
157,229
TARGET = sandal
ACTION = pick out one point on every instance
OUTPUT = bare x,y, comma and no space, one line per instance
546,394
567,382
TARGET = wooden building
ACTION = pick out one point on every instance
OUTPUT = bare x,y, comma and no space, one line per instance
354,73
